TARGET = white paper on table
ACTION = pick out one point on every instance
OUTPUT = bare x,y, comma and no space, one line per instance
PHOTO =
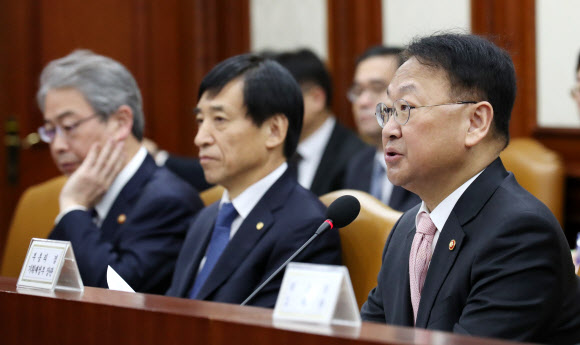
115,281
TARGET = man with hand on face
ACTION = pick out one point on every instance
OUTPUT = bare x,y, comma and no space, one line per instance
117,207
480,255
367,170
249,114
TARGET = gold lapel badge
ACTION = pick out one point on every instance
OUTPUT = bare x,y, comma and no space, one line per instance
259,226
122,218
452,245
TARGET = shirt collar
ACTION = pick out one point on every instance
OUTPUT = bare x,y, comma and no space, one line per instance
313,147
441,213
311,151
103,206
247,200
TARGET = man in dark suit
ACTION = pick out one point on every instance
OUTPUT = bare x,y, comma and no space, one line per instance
480,255
250,115
117,208
325,145
367,170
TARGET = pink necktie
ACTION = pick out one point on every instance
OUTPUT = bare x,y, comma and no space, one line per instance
419,258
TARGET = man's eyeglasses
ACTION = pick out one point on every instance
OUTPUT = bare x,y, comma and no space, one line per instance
376,89
47,133
401,110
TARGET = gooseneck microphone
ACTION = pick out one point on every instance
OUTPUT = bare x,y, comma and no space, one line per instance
340,213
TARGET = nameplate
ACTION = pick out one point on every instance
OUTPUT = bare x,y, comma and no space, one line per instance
315,293
50,265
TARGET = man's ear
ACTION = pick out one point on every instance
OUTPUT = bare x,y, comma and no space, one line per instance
480,122
276,128
122,122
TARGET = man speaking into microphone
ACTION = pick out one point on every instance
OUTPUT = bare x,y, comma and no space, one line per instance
249,116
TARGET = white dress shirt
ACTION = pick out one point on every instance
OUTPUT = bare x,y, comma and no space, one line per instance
247,200
442,211
311,150
104,205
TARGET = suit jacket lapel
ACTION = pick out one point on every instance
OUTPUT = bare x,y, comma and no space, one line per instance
397,197
200,232
407,316
466,208
247,235
441,262
125,200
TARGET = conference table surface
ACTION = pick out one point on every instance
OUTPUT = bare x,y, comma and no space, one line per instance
101,316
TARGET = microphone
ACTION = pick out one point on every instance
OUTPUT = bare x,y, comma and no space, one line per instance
340,213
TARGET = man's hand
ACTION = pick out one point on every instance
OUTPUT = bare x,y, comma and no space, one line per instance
87,185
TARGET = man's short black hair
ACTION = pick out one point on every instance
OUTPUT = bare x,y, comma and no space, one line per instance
307,68
269,89
476,68
578,64
381,50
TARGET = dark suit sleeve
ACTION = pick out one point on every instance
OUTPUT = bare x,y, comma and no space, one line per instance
149,239
372,309
323,250
514,290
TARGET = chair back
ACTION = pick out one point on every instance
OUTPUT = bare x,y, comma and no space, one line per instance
539,170
211,195
364,239
34,217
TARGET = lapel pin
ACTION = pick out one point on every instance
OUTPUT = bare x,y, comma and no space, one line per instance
122,218
452,245
259,226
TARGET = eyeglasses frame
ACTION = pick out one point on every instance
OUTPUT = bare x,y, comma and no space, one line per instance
378,112
62,130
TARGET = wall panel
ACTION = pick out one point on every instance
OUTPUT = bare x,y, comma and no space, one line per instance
168,45
353,26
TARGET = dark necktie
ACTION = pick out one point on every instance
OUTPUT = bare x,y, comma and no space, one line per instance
218,242
94,216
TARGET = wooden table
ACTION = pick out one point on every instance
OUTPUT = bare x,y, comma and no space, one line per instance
100,316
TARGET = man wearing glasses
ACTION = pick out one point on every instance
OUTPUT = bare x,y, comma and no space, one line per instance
117,207
367,170
479,255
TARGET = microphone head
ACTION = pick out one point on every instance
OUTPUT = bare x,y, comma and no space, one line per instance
343,210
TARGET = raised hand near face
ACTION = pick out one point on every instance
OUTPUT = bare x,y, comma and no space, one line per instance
87,185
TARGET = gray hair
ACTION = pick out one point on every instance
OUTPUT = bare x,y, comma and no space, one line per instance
105,83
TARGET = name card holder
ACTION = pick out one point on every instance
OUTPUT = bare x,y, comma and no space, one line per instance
50,265
315,293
